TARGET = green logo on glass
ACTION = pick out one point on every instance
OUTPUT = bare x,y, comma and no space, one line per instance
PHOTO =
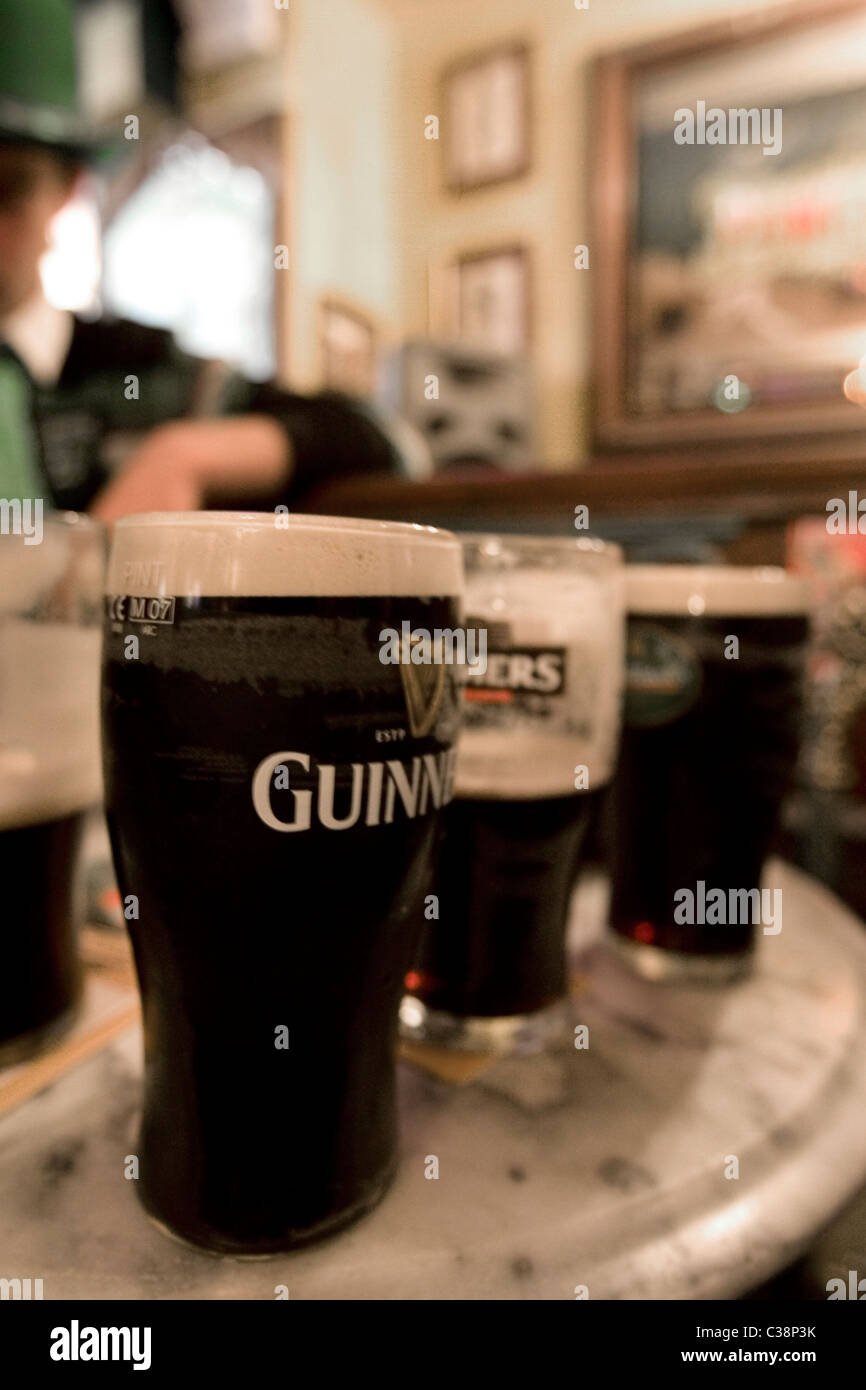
663,676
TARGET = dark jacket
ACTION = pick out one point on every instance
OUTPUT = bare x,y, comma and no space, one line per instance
121,379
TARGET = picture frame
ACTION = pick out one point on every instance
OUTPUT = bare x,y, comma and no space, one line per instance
485,99
219,33
714,261
492,298
349,346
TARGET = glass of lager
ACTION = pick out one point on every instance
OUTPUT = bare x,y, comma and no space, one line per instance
272,786
50,602
711,726
541,721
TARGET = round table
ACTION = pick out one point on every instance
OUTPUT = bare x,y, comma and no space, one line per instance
692,1150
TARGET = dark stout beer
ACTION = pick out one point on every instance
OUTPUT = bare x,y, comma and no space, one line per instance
708,751
49,772
41,978
538,742
505,878
272,790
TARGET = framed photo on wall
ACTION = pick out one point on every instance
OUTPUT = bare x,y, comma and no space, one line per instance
729,197
349,347
486,125
216,33
492,299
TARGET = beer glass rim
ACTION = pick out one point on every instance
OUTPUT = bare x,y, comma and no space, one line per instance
306,521
540,544
274,554
67,545
77,520
716,590
67,522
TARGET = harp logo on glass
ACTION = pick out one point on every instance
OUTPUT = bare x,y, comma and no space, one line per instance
421,656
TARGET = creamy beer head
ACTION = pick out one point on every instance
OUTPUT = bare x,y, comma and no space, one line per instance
29,571
49,673
49,698
698,591
235,554
548,702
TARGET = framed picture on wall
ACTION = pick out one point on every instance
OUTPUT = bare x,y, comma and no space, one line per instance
486,125
216,33
348,347
492,299
729,257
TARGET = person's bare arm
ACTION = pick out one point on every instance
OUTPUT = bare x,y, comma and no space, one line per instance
854,384
181,462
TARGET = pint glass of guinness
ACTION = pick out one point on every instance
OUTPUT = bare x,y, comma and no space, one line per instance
541,721
50,600
272,787
709,746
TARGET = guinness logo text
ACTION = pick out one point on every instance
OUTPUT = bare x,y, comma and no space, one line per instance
369,793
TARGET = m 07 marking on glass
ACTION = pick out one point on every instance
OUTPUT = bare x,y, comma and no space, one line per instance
138,608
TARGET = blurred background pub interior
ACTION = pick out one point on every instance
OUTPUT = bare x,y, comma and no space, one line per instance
491,287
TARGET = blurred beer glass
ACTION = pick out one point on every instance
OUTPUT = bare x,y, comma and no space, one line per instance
536,749
50,618
711,727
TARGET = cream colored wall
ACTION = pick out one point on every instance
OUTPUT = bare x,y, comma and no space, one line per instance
342,191
547,208
368,216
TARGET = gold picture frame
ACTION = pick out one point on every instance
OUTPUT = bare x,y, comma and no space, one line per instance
486,103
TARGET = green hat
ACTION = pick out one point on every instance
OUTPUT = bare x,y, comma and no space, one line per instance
38,77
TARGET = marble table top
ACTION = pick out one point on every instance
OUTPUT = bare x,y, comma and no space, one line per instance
602,1168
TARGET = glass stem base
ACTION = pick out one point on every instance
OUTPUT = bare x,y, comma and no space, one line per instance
513,1033
660,964
212,1242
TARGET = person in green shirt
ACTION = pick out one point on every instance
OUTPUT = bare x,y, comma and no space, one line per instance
63,407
